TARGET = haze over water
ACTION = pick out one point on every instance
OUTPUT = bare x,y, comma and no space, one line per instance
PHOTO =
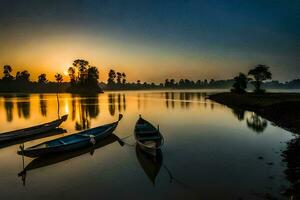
210,150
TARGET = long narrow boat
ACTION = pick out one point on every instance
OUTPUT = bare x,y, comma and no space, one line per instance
71,142
147,136
54,158
52,132
31,131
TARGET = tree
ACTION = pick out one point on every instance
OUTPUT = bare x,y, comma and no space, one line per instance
167,83
7,69
260,73
72,75
82,66
240,83
23,76
42,79
119,77
172,83
124,78
92,76
58,78
111,77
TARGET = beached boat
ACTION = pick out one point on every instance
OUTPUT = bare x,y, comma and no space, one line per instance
31,131
71,142
147,136
149,163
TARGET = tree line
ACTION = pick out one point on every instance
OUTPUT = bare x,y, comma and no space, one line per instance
84,78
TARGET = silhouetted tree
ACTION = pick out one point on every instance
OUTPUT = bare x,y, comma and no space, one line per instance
82,66
7,69
92,76
167,83
23,76
83,77
59,79
42,79
119,77
111,77
240,83
124,78
72,75
260,73
172,83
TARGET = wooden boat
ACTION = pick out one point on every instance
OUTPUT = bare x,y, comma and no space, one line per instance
51,159
147,136
149,163
31,131
55,131
71,142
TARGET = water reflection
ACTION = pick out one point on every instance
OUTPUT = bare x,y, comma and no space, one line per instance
88,108
23,107
292,158
149,163
43,105
118,100
53,159
170,99
170,109
239,114
257,123
9,106
111,104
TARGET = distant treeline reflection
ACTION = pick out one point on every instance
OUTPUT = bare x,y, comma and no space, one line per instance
82,108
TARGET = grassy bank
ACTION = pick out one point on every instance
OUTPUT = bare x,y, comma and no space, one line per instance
283,109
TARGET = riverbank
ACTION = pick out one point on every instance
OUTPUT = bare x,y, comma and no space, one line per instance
283,109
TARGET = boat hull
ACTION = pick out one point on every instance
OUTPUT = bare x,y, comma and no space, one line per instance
71,142
63,148
30,132
152,145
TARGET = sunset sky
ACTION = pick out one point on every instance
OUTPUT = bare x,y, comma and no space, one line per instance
152,40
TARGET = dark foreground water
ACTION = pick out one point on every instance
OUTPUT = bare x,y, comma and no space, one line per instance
210,152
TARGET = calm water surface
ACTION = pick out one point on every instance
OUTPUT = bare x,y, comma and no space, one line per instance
210,152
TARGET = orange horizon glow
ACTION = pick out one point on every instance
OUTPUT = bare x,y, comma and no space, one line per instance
55,54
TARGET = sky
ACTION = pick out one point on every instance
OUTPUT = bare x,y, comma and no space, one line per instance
151,40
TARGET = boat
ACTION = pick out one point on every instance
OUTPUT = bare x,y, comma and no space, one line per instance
71,142
149,163
52,159
147,136
31,131
52,132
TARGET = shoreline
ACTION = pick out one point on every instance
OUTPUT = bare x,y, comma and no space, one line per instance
283,109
